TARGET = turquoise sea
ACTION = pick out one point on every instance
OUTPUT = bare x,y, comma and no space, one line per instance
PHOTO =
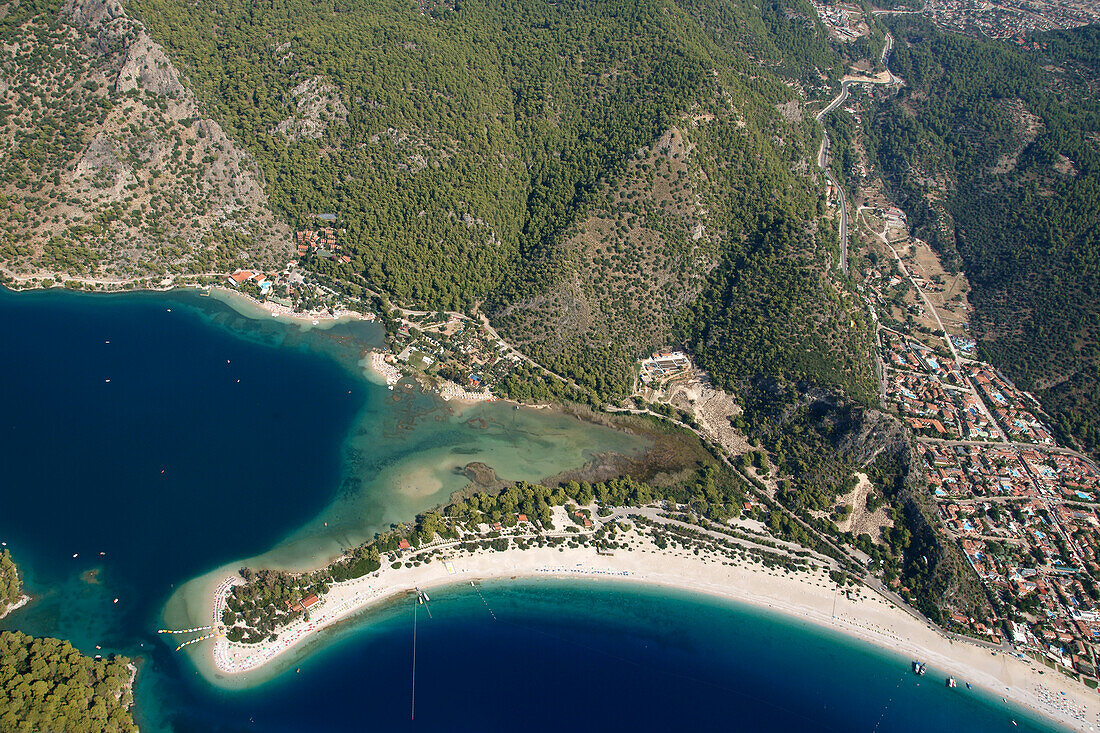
150,439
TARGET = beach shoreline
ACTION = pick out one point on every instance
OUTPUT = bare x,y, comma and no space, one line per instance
235,298
23,600
810,597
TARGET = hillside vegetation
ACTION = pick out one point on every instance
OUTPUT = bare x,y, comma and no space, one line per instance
583,168
109,170
47,685
11,585
993,149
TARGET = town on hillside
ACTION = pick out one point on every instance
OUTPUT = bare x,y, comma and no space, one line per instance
1024,511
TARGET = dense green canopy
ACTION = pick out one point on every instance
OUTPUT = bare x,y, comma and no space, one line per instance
46,684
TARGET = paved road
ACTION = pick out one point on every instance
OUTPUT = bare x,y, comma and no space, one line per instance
1004,444
946,337
823,152
823,163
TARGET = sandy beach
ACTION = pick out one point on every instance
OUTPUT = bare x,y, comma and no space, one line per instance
807,596
236,299
383,367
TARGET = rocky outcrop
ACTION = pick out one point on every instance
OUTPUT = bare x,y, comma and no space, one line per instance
849,437
317,103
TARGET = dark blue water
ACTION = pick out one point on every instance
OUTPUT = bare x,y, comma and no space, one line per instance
175,467
202,447
562,655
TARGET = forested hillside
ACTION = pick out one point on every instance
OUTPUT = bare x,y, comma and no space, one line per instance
993,150
11,585
464,133
522,153
47,685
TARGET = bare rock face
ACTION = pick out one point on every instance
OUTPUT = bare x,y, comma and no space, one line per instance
163,188
147,68
92,15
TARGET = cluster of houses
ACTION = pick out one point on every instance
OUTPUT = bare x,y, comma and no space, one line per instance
930,391
1010,20
925,404
902,353
1027,521
976,471
1012,409
320,243
453,344
845,22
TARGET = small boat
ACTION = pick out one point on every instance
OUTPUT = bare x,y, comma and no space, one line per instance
918,668
75,554
968,686
951,682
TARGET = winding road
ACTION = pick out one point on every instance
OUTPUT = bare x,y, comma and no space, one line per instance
823,164
823,152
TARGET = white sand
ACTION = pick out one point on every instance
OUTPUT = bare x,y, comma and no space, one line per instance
809,597
23,600
235,299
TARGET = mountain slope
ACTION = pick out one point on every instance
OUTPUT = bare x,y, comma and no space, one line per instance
521,153
1009,138
112,172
